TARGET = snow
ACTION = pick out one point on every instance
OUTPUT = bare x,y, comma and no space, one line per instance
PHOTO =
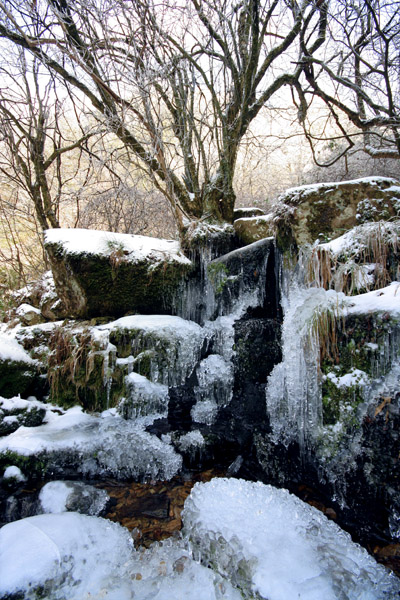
25,308
96,445
354,377
358,238
276,547
10,349
104,243
384,300
14,472
319,187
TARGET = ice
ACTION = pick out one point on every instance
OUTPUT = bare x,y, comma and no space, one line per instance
72,496
96,446
143,397
215,389
74,557
171,344
275,547
137,247
293,393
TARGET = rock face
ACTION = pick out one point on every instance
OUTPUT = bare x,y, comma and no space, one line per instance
98,273
326,210
277,368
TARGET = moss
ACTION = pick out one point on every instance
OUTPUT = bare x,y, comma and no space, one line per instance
322,216
218,275
33,467
17,378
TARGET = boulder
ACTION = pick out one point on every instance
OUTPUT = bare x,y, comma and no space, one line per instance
99,273
254,228
325,210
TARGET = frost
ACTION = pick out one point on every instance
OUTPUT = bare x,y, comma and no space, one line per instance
191,440
271,544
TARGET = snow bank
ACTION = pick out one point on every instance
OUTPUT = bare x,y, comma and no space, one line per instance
384,300
275,546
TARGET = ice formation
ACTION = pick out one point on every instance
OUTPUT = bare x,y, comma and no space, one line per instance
171,344
74,557
273,546
96,446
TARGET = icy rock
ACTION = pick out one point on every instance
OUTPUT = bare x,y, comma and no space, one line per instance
143,397
93,445
72,496
271,544
165,348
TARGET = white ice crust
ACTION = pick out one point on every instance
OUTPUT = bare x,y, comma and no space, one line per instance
272,544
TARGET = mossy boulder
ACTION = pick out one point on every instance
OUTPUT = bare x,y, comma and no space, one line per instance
99,273
326,210
251,229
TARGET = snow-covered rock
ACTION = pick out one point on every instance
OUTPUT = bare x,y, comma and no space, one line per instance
306,213
72,496
102,273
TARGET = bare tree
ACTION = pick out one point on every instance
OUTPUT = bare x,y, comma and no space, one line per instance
178,84
358,83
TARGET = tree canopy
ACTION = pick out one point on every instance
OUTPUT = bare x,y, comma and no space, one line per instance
182,84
